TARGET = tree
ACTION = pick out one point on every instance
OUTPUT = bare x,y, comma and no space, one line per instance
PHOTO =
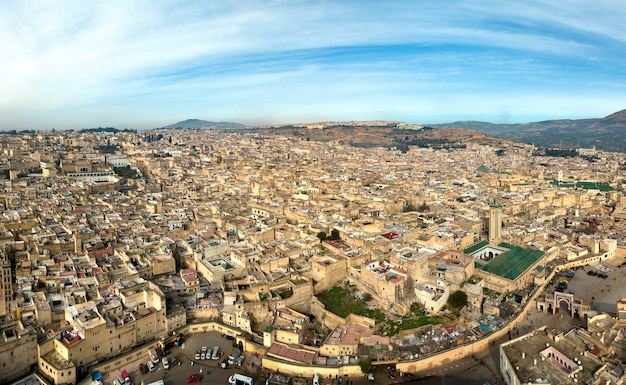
366,365
458,299
322,236
334,235
408,206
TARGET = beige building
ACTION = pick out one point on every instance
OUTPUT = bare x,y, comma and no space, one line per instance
328,269
18,350
6,286
161,264
344,340
383,280
495,222
89,334
289,327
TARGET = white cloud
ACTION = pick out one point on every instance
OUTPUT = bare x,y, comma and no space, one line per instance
64,58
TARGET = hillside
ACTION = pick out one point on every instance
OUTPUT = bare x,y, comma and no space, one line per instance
608,133
197,124
383,136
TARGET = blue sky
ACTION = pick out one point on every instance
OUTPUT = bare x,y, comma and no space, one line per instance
146,64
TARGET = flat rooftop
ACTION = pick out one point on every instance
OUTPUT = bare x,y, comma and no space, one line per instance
538,355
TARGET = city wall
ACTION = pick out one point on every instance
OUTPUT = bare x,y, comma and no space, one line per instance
331,320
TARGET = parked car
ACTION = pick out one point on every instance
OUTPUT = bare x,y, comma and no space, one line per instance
198,356
126,377
143,368
151,366
166,363
173,360
216,353
194,378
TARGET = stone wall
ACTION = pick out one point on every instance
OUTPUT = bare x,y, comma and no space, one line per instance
276,365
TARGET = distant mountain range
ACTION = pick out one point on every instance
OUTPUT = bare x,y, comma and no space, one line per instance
608,134
197,124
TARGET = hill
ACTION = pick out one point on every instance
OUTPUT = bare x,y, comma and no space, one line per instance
608,133
386,136
197,124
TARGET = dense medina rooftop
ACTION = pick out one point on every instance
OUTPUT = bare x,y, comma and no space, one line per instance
227,226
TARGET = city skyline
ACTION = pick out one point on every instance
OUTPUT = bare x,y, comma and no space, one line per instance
144,65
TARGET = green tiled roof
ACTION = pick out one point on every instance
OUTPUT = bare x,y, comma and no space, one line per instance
475,247
604,187
506,245
513,263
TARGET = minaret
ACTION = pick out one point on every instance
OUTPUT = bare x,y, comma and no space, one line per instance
495,222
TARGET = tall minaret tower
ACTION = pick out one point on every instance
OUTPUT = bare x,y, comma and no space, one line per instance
495,222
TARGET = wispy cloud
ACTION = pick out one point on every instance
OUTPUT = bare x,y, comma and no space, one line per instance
147,63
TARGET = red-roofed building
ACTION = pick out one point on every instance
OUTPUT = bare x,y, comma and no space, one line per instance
291,354
390,235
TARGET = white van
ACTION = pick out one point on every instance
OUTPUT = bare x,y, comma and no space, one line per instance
240,379
154,356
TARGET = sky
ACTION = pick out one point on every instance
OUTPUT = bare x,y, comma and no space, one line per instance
147,64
